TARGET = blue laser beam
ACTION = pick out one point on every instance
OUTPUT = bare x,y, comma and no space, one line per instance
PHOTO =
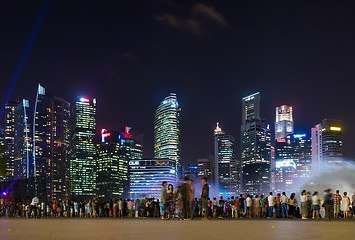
23,60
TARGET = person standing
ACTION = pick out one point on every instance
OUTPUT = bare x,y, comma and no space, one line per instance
263,206
257,206
345,203
328,204
233,206
284,201
241,204
171,201
204,198
304,204
249,201
336,203
278,205
163,198
33,206
220,207
130,205
271,203
316,205
120,208
192,197
215,206
186,197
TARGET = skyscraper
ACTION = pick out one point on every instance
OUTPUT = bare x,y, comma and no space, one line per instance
10,135
109,184
302,148
22,164
327,145
83,152
114,151
167,130
284,122
130,148
255,147
285,166
51,143
227,177
205,168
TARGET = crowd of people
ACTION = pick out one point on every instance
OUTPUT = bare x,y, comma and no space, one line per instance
182,205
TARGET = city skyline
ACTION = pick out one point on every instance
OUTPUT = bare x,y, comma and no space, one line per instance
303,130
250,49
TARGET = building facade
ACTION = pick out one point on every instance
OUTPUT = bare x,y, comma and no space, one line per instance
147,175
285,166
114,151
302,150
205,168
109,184
284,122
51,133
327,146
167,130
83,150
255,148
9,138
226,171
22,163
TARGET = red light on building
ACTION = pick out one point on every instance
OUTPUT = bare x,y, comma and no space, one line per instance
126,134
281,140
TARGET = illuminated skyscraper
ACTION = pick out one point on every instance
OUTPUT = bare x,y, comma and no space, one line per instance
83,151
285,167
205,168
108,181
167,130
51,143
250,108
22,164
302,148
327,145
284,122
255,148
114,151
227,177
10,135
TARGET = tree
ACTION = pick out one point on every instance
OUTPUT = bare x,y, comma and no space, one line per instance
3,160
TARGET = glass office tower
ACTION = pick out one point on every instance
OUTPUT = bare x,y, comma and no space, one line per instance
255,148
83,151
327,145
167,130
9,138
302,148
22,164
284,122
227,178
285,166
51,143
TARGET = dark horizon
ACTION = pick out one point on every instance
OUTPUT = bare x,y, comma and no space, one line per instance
131,55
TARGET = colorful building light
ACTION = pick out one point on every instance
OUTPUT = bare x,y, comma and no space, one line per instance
84,100
335,128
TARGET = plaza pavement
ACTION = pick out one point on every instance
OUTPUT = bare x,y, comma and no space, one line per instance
127,229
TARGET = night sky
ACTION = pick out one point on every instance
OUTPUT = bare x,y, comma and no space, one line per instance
131,54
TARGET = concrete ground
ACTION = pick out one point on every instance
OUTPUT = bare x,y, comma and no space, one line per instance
127,229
